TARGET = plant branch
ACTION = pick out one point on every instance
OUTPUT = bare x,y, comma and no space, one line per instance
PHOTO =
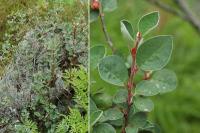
186,14
108,39
166,7
131,84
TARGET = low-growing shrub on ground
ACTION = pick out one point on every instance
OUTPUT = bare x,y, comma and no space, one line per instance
43,87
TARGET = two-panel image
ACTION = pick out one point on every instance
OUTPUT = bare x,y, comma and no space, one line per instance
99,66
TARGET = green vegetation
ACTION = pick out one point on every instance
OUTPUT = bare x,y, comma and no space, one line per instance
180,107
128,108
43,86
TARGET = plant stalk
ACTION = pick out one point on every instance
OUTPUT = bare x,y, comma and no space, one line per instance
131,84
104,28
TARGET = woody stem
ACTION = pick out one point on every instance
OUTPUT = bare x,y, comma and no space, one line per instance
104,28
131,85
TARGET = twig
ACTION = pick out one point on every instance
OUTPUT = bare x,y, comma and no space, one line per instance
166,7
186,14
131,84
189,15
108,39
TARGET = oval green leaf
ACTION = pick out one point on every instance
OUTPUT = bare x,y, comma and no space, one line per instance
130,129
96,54
120,96
151,127
155,53
127,30
103,128
95,116
93,106
103,100
137,120
112,114
112,69
148,22
162,81
117,123
143,104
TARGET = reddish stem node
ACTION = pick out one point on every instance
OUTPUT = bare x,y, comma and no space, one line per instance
133,51
147,75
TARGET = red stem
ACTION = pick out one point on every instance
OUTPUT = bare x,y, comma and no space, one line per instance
130,84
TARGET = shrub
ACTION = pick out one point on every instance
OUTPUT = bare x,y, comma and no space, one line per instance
137,79
36,95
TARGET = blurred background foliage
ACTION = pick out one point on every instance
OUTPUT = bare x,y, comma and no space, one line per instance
176,112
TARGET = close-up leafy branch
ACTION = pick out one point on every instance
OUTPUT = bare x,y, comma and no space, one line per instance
140,77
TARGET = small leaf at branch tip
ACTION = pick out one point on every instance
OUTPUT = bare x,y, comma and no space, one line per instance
127,30
148,22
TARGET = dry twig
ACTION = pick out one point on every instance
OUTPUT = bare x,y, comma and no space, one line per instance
185,13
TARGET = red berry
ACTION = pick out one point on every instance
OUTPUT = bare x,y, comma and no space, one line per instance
95,5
